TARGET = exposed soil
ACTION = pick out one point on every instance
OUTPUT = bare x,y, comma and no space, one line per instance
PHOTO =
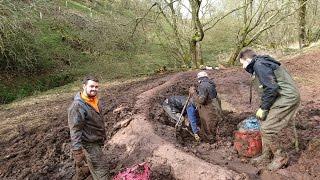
138,130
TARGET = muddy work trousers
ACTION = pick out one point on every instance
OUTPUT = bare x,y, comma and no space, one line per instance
210,115
279,117
96,162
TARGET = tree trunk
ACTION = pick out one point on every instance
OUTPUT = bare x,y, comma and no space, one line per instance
242,35
193,52
234,55
176,32
199,53
197,35
302,23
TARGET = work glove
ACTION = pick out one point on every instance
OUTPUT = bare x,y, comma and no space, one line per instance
196,137
261,114
186,122
192,90
79,157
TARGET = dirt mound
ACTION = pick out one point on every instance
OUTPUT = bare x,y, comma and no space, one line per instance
38,152
142,144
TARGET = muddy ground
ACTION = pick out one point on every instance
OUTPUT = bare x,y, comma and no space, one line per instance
42,151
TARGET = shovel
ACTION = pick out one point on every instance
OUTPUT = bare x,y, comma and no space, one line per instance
178,124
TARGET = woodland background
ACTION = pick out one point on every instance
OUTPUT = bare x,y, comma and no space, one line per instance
46,44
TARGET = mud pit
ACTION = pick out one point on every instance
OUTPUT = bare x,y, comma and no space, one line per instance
42,152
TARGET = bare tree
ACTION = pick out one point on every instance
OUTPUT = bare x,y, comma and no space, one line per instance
257,17
198,33
202,20
313,30
168,10
174,25
200,28
302,23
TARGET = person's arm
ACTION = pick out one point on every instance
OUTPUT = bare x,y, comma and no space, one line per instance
269,83
201,96
76,117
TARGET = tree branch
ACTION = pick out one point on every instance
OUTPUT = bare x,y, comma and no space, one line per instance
266,27
139,20
221,18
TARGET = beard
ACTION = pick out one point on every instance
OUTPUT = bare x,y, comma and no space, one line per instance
91,93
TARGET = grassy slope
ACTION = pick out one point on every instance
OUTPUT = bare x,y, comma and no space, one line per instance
67,46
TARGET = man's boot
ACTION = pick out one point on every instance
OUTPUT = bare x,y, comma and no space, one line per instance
280,159
264,158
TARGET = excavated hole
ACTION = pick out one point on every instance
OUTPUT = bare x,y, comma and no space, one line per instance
221,152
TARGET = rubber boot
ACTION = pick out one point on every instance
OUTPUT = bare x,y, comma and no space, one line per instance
264,158
280,159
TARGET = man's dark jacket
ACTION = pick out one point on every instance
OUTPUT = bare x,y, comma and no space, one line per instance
177,102
86,125
206,90
209,108
275,80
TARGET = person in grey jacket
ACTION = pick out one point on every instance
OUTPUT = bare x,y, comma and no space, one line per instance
87,131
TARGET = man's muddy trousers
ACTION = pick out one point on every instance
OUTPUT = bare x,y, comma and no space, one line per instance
210,115
96,162
280,116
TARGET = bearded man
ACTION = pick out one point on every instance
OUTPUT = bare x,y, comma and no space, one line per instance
87,131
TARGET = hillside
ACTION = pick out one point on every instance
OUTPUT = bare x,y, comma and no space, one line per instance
47,44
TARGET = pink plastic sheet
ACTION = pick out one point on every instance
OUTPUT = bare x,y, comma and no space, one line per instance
137,172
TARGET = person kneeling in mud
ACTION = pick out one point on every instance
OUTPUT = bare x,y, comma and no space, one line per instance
208,105
173,107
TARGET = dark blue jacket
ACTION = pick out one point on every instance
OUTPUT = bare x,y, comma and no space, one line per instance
206,91
263,67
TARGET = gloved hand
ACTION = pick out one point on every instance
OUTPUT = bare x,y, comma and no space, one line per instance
186,122
79,157
192,90
261,114
196,137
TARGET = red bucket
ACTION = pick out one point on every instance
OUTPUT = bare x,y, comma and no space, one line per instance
248,143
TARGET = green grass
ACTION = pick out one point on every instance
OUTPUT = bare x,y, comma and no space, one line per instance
26,86
48,56
77,6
